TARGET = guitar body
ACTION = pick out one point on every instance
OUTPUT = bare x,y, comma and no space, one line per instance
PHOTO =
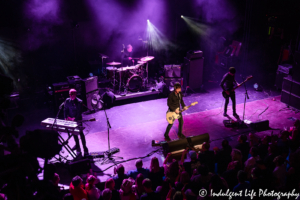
225,95
172,116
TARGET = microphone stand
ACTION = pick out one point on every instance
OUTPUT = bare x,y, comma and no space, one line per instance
246,97
108,152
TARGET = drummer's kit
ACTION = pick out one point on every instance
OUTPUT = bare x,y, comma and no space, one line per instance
132,78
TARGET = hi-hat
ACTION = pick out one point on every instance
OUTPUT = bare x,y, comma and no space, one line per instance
147,58
113,63
141,62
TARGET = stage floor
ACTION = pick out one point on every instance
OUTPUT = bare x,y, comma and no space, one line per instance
135,125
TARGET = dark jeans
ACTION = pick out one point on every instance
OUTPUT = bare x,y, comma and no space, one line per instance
82,137
232,97
180,120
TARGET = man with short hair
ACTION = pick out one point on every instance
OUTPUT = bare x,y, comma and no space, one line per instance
243,185
139,169
77,190
227,85
73,112
106,194
150,194
120,176
127,56
174,101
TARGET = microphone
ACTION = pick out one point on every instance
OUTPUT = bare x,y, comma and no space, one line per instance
101,101
61,105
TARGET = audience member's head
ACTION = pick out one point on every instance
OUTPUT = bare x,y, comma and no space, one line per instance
266,139
255,173
154,165
216,183
127,185
107,194
120,170
205,146
184,177
77,181
279,160
225,143
68,196
192,155
260,164
254,151
139,163
178,196
284,135
139,180
110,184
147,184
56,179
242,138
236,155
297,124
242,176
91,180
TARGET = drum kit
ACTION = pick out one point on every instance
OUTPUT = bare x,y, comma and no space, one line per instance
132,78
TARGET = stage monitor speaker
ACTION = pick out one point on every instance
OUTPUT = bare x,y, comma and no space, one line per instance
198,140
175,146
260,126
291,86
290,99
193,73
89,84
80,167
296,67
87,100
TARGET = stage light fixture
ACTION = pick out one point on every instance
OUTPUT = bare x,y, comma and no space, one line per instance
148,20
181,16
257,87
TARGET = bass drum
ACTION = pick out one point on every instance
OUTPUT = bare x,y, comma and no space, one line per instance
134,83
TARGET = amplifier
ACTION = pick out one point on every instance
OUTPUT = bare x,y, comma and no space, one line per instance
285,68
80,167
61,87
89,84
291,86
98,154
172,71
194,54
279,79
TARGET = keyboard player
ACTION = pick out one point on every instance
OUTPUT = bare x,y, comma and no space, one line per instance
72,112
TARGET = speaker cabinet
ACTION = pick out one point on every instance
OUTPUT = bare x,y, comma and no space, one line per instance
175,146
89,84
279,79
172,71
290,99
290,85
193,73
87,100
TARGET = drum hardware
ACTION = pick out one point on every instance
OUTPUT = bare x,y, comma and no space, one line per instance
146,59
102,56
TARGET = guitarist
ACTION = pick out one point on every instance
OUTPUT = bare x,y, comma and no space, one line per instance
72,112
227,85
174,101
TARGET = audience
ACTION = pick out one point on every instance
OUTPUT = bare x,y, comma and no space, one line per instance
207,157
243,185
77,189
251,162
191,163
223,156
139,170
110,184
126,192
279,173
92,192
107,194
139,189
236,156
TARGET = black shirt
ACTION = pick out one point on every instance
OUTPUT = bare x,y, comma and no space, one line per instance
73,108
125,58
150,196
173,101
228,82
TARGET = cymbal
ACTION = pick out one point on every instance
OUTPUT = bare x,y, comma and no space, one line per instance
141,62
113,63
147,58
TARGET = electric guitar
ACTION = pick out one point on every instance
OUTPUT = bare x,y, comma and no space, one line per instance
172,116
225,95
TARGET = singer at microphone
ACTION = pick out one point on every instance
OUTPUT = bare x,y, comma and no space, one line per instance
72,112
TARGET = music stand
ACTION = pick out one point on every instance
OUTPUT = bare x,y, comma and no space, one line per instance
108,153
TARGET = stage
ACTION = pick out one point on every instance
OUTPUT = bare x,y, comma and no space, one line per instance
135,125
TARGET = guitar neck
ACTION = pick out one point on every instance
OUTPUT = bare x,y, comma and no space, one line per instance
185,110
240,85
